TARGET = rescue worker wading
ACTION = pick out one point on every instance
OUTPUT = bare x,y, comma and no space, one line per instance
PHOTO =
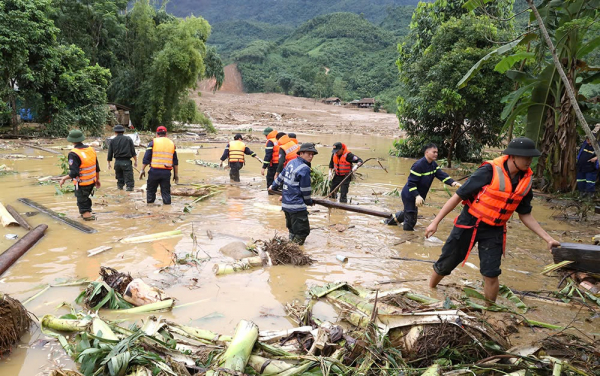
416,188
288,150
162,158
236,151
587,169
271,155
491,195
84,170
296,194
340,166
122,149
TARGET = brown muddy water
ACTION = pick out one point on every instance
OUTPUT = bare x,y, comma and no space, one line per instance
242,212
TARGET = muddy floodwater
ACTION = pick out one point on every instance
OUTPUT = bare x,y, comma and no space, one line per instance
245,212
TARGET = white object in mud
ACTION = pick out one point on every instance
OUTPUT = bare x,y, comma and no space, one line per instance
341,258
139,293
236,250
434,240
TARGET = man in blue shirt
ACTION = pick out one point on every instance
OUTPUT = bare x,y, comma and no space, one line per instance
297,190
587,169
416,188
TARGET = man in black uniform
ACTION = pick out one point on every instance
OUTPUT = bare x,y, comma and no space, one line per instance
122,149
84,170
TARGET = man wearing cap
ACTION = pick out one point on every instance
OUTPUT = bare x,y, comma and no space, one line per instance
271,155
587,169
490,196
122,149
85,172
295,179
162,158
340,165
235,151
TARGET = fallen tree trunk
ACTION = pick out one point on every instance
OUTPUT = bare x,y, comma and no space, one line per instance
11,255
586,257
79,226
41,148
18,217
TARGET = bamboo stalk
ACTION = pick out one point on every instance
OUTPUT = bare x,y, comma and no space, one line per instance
152,237
238,352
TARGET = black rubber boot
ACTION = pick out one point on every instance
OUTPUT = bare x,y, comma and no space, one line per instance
395,219
410,220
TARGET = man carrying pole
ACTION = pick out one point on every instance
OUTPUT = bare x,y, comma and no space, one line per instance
340,166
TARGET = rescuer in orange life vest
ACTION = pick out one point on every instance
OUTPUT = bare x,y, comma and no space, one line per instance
288,150
85,172
340,165
162,158
271,159
235,151
490,196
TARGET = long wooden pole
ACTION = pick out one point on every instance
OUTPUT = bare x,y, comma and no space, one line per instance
55,215
11,255
18,217
352,208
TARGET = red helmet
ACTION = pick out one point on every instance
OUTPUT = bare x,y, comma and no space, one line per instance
161,129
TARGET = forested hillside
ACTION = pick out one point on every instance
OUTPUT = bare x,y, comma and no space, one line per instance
340,54
290,12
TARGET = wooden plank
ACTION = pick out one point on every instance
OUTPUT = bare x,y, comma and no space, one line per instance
97,250
18,217
79,226
586,257
597,209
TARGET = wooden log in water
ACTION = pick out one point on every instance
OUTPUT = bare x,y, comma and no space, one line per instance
18,217
79,226
41,148
11,255
352,208
586,257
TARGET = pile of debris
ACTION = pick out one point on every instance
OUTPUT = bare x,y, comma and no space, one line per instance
118,290
372,338
14,322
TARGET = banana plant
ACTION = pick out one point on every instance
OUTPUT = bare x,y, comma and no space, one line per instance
546,89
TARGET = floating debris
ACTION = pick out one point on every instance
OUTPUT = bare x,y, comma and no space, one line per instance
14,322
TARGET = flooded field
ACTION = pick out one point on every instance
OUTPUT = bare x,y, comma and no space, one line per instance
245,212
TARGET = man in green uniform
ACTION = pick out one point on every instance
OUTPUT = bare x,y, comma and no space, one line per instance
122,149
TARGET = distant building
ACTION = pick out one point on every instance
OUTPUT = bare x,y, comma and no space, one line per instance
120,112
366,103
333,100
354,103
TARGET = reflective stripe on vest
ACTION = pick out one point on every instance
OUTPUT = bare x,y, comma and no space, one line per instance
162,153
497,201
87,169
236,151
275,157
341,164
291,151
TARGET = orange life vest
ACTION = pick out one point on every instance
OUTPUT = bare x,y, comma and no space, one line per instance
497,201
87,169
236,151
291,150
271,137
162,153
340,164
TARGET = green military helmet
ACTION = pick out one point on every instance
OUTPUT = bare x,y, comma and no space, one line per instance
75,136
267,130
522,147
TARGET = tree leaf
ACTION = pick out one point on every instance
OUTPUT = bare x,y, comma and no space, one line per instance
475,68
512,100
588,47
540,96
506,63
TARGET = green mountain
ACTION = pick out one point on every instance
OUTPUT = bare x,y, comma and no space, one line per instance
339,54
290,12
